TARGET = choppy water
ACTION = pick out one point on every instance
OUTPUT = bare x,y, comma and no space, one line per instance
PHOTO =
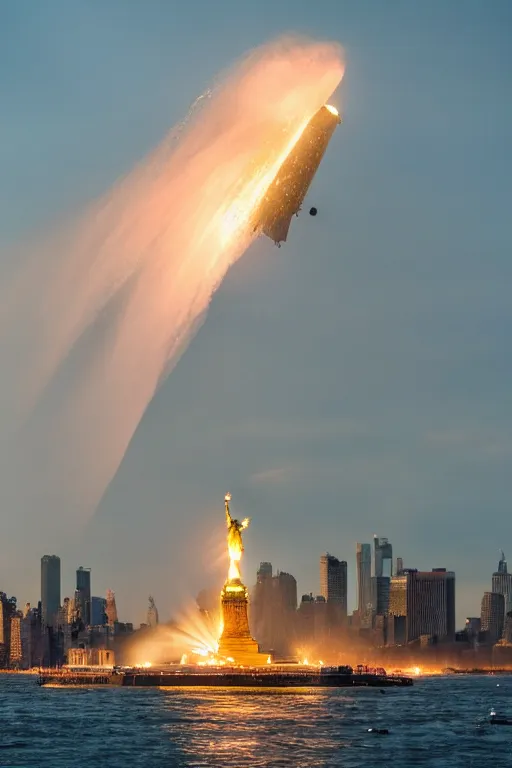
440,722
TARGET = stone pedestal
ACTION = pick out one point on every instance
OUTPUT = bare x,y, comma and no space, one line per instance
236,642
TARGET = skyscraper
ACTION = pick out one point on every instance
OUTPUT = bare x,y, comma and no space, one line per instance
50,588
98,615
261,611
286,586
364,578
264,572
382,570
425,601
283,613
502,584
397,610
83,594
380,595
333,581
7,611
16,651
382,557
273,610
507,629
492,615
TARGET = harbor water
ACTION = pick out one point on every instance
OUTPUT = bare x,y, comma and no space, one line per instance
441,722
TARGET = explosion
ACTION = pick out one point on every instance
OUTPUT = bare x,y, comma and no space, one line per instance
94,316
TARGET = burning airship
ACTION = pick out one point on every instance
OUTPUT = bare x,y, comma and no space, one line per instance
287,191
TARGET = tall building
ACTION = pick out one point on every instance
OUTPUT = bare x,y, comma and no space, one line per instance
333,588
492,615
16,651
364,579
261,608
399,565
7,611
472,628
50,588
382,570
32,638
286,587
152,617
83,594
502,584
507,629
422,603
382,557
306,619
110,608
283,614
333,581
397,610
264,572
274,610
98,615
380,595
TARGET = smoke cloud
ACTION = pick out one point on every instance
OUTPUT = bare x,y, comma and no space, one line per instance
95,315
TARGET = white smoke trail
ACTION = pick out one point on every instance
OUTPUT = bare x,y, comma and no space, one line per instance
93,317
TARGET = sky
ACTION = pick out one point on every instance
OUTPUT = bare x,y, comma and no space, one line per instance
357,381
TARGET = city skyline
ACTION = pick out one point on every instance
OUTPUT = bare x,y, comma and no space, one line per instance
411,611
333,580
355,381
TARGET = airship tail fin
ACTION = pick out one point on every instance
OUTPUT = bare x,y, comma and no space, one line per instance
277,230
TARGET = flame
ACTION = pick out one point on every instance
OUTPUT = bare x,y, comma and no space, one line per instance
235,553
200,651
157,246
242,207
234,570
238,215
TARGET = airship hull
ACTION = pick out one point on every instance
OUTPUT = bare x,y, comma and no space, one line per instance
287,191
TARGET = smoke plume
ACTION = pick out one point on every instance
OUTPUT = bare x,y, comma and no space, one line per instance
95,315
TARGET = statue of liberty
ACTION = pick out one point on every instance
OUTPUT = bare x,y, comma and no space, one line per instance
235,543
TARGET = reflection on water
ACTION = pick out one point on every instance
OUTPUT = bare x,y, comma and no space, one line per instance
439,723
254,727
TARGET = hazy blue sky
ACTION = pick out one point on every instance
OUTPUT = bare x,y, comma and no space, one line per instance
358,380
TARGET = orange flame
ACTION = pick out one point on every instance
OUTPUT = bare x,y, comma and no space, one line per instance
235,550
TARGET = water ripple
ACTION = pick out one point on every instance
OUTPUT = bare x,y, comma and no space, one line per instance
439,723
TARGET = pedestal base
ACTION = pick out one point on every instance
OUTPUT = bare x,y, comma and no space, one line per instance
236,642
243,651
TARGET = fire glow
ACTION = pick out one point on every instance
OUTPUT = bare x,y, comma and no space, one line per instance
116,296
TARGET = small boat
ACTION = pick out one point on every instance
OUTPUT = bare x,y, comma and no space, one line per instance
496,719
